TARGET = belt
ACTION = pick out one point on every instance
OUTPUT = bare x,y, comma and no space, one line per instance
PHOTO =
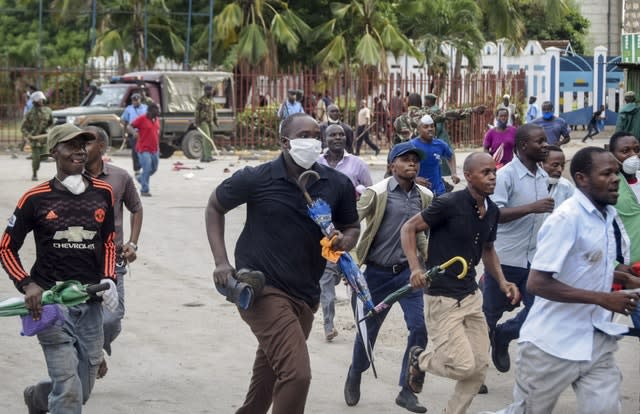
395,268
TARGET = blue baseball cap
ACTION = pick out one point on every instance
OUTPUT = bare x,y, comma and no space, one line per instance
403,148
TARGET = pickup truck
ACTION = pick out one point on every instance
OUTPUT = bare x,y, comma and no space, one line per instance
177,94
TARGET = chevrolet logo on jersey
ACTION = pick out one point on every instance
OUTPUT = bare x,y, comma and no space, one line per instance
74,234
75,237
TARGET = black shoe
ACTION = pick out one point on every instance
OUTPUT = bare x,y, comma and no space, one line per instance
145,194
483,389
408,400
377,152
34,178
352,388
28,400
500,353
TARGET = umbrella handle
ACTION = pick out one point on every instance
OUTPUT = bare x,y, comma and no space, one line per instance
303,179
460,259
93,289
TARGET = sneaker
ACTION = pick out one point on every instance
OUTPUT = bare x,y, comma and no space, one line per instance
28,400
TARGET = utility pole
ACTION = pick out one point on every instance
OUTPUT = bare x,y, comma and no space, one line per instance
210,33
188,41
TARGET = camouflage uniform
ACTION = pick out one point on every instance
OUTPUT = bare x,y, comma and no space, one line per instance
38,119
206,117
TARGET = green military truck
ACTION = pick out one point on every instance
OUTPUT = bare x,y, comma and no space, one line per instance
177,94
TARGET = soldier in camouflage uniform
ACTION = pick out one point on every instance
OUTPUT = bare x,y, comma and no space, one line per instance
206,118
34,128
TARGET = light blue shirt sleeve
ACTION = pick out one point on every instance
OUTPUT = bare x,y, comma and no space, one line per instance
502,191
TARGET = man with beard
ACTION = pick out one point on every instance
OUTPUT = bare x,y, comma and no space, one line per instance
462,223
281,241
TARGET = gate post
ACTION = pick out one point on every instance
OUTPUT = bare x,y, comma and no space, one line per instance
599,76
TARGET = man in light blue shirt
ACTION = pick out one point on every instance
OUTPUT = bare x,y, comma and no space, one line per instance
523,198
290,106
568,339
131,112
533,111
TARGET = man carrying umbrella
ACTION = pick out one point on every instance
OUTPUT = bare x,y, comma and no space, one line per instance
72,220
460,223
386,206
280,240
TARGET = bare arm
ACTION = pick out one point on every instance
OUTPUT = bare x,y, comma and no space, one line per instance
136,226
492,264
544,205
408,233
544,285
347,237
214,222
453,168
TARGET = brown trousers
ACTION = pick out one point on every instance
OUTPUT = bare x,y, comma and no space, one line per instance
281,370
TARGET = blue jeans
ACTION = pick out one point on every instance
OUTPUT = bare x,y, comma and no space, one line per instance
111,320
382,283
72,352
496,303
149,163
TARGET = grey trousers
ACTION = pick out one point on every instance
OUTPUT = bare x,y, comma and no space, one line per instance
330,278
111,320
541,378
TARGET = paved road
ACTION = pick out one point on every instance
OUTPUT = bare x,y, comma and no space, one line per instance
184,349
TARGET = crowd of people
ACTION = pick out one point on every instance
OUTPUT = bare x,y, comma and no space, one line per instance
561,251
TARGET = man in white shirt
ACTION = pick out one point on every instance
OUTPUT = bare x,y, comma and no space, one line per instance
567,338
362,133
560,189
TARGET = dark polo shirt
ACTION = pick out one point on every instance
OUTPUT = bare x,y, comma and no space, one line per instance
457,230
278,237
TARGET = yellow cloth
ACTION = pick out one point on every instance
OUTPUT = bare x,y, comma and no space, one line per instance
327,250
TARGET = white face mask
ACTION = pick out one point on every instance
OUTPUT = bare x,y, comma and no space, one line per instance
74,183
631,165
553,180
305,151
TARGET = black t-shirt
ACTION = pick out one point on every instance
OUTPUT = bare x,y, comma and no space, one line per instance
278,237
457,230
74,235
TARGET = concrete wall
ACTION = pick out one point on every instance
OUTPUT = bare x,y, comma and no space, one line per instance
606,22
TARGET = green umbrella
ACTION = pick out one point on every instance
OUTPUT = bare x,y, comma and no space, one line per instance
67,293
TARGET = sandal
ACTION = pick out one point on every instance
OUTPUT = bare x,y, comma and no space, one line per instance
414,375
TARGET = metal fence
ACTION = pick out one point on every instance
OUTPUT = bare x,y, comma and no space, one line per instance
258,97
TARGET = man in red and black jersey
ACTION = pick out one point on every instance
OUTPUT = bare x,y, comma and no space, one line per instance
72,220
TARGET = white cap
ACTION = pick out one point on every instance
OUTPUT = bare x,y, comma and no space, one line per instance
426,120
506,96
38,96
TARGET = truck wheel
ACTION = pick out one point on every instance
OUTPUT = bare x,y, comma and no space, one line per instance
192,145
166,150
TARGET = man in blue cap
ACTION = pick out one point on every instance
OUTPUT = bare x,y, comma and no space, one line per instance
386,206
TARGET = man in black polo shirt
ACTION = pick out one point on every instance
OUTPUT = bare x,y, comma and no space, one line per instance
281,241
462,223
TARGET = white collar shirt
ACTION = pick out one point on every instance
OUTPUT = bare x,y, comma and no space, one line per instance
516,186
576,243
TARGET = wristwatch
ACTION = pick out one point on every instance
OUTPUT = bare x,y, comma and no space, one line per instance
133,245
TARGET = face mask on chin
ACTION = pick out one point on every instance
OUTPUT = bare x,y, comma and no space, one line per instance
547,115
305,151
553,180
74,183
502,125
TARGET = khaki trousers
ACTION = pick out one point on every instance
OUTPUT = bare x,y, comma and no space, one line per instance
458,346
281,370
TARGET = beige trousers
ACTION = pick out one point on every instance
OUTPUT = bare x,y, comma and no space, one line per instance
458,346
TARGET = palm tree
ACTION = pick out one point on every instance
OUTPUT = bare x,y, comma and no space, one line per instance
366,33
252,30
